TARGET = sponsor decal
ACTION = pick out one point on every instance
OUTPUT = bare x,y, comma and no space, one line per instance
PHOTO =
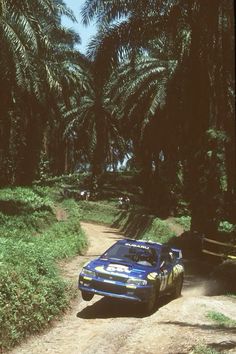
164,278
113,268
170,279
137,245
167,279
178,268
118,268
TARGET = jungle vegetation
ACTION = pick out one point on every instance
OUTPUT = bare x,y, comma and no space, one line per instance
156,88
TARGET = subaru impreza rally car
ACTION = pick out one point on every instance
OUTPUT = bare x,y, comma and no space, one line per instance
134,270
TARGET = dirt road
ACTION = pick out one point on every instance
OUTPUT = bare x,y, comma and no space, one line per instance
105,326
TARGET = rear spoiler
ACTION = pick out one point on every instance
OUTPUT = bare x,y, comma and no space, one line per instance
177,253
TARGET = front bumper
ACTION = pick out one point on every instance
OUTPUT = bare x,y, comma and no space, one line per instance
116,289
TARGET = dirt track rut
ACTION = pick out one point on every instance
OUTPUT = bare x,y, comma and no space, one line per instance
105,326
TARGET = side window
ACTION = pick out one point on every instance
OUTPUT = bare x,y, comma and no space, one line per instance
172,256
162,258
166,258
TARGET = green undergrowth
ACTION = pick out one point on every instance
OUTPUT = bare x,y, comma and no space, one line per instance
204,349
184,221
99,212
221,319
159,231
31,241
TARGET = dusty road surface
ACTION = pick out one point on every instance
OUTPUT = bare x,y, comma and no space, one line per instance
105,326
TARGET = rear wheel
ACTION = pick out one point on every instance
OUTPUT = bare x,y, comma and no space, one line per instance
86,296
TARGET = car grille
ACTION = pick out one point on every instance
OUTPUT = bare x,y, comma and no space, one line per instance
113,288
112,277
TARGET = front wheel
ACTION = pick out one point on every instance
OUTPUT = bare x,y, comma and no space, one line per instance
149,306
86,296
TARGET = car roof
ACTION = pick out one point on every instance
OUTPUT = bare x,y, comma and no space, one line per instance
141,243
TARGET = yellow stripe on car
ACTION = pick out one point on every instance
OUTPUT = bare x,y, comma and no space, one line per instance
152,276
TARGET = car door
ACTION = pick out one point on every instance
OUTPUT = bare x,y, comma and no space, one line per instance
166,269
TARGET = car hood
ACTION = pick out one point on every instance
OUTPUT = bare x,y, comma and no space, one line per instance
120,267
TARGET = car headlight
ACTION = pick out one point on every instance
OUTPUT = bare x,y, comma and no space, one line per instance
137,282
88,272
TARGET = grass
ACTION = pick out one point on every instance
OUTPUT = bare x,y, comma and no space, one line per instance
221,319
158,231
203,349
31,240
99,212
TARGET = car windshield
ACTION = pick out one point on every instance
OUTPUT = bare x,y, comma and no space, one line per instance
140,254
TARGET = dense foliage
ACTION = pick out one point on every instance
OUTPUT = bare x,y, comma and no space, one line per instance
174,93
32,293
156,89
39,74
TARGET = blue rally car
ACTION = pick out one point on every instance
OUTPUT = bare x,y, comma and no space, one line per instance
134,270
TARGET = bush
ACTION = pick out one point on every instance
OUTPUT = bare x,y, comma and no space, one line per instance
225,226
159,231
31,291
20,200
184,221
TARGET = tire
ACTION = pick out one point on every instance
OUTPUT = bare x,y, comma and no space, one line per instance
178,287
149,307
86,296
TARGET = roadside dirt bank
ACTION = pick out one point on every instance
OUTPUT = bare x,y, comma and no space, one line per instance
105,326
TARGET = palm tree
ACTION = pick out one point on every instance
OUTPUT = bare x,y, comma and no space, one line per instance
37,65
198,35
139,91
96,132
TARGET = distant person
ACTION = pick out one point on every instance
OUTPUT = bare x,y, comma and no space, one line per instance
85,195
120,202
124,202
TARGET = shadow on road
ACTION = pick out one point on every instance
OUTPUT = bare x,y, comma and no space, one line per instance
215,328
113,308
133,223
